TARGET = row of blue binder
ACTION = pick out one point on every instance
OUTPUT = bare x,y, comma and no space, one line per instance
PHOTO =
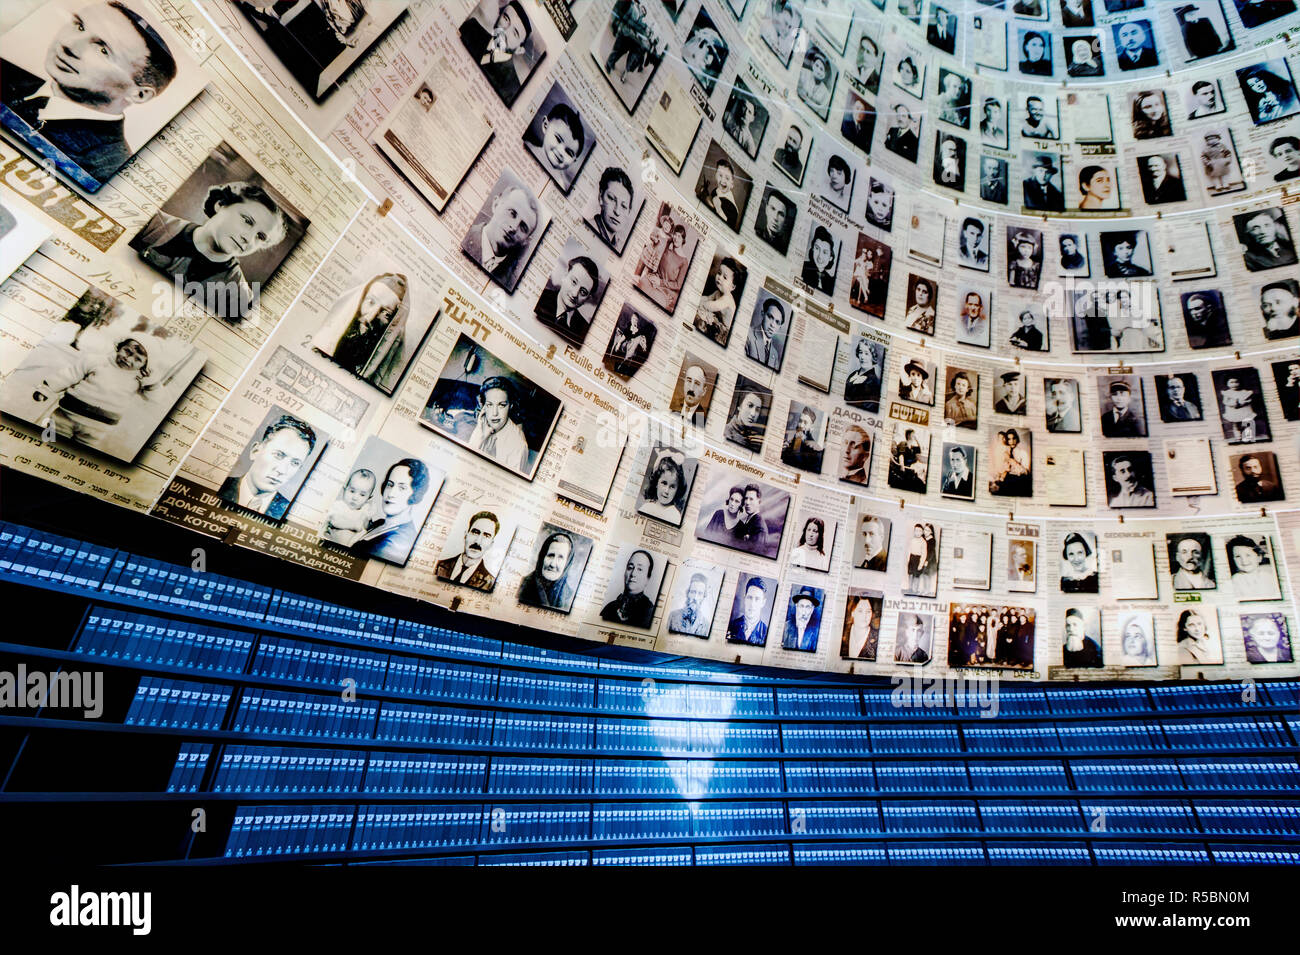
176,704
60,560
304,662
125,636
281,713
180,588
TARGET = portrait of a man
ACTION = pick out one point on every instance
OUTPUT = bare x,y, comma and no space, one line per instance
612,210
475,549
506,231
273,465
751,610
500,39
1265,239
573,292
695,599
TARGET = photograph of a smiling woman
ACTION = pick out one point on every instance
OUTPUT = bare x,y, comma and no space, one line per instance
222,235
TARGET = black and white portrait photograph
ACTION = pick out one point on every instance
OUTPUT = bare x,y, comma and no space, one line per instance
694,599
1081,646
506,231
942,30
871,545
558,565
880,204
914,638
973,243
1179,397
1041,185
1010,393
1286,374
1252,567
775,220
781,27
612,210
751,406
221,235
375,328
1205,319
903,132
742,513
1129,479
559,138
321,40
87,85
804,442
812,549
1123,409
1072,255
803,619
921,576
949,161
1161,175
1241,405
1204,97
1149,114
1220,167
1285,153
961,397
501,40
745,118
993,122
954,98
993,180
1256,13
1083,56
666,258
694,390
630,343
103,377
751,609
633,587
863,612
1266,637
1135,45
922,296
984,635
793,146
705,52
862,384
1199,642
869,285
1061,405
958,477
1203,29
817,79
769,329
1035,49
1076,13
1265,239
1040,119
1022,565
1269,91
1126,254
272,467
1191,561
1078,567
916,381
1137,640
666,485
715,316
384,501
909,458
835,181
1011,463
573,292
628,48
821,261
723,186
481,403
1115,320
866,63
1024,258
855,455
909,73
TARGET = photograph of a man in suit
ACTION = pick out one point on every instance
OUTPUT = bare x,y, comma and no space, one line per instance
691,399
1266,239
766,342
942,31
1134,48
689,618
494,50
502,233
106,59
958,479
1119,421
273,461
467,568
1160,182
749,626
875,543
1040,192
856,455
568,307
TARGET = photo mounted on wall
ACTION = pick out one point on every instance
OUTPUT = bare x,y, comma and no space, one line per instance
633,587
1082,644
693,393
376,326
863,382
1286,375
1191,561
958,478
320,42
630,343
482,404
1266,637
476,546
1129,479
1024,258
961,397
751,609
1123,408
88,123
501,40
103,377
921,576
794,145
769,330
1269,90
742,513
270,470
705,52
745,118
222,235
914,638
909,458
723,187
751,405
694,600
724,286
558,564
1279,309
1265,239
612,210
1253,568
916,381
573,292
1179,397
1199,642
1116,320
812,550
628,48
1011,463
869,288
805,437
1137,640
781,27
1010,395
863,612
1022,565
506,231
384,502
1205,319
774,223
666,258
817,78
666,485
1256,478
1079,563
1241,405
984,635
559,138
803,619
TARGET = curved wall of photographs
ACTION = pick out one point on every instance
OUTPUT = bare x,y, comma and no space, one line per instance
880,337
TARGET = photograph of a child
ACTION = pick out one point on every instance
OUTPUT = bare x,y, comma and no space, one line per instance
559,138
